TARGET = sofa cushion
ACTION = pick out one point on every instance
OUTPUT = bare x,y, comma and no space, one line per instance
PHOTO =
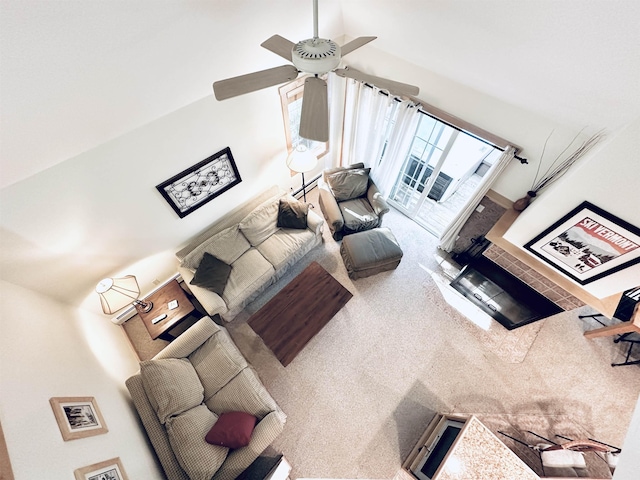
280,247
172,385
211,274
216,362
186,433
226,245
348,184
249,273
245,393
358,215
292,213
262,222
232,430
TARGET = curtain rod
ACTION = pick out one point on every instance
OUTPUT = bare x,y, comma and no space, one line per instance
455,127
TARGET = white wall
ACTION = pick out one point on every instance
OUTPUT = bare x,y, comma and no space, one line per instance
521,127
99,214
609,178
629,464
48,349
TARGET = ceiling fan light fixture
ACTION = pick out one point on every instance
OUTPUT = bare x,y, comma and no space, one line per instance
316,55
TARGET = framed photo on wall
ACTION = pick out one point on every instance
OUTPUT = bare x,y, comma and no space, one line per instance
78,417
107,470
201,183
588,244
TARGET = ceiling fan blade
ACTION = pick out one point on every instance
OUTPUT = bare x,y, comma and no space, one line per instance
314,118
279,45
353,44
383,83
232,87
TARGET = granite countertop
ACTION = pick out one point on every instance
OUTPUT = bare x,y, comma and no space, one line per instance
478,453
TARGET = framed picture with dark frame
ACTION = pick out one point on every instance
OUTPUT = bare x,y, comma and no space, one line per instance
108,470
588,244
201,183
78,417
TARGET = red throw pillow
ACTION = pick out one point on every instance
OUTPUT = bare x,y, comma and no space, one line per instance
232,430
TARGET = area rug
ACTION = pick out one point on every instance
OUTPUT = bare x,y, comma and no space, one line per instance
510,346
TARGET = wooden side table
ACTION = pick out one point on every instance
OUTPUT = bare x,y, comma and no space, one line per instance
161,298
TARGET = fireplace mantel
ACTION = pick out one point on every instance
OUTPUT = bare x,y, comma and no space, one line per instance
605,306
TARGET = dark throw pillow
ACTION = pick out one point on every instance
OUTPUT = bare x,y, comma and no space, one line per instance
232,430
211,274
348,184
292,214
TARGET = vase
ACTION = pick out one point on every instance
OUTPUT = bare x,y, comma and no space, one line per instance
522,203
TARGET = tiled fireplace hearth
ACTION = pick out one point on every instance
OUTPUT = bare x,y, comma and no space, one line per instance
535,280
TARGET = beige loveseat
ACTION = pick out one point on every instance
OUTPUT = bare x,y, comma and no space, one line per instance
177,408
258,251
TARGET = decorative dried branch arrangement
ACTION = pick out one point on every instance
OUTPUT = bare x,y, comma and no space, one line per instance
558,167
556,170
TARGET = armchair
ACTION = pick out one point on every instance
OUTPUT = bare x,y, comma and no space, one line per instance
350,200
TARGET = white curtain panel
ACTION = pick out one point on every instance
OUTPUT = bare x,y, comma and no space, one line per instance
448,237
400,137
351,97
364,140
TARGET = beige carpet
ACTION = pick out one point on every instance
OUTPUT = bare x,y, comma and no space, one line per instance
362,391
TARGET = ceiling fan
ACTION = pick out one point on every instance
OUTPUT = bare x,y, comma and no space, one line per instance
315,56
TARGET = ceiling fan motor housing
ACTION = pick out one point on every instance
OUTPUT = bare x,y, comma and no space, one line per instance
316,55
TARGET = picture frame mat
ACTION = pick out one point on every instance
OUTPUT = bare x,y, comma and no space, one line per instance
92,471
191,179
66,429
539,245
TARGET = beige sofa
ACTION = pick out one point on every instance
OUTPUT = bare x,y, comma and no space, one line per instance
258,251
227,383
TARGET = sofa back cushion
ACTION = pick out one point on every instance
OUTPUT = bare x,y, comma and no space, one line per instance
245,393
216,362
348,184
262,222
187,433
172,385
226,245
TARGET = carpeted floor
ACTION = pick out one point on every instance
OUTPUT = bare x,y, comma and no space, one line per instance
362,391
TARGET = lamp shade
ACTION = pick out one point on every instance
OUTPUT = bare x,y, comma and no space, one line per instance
302,160
117,293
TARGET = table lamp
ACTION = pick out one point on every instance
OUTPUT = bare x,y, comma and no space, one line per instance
117,293
302,160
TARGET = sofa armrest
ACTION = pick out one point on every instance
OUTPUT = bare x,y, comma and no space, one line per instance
263,435
376,200
314,222
155,430
191,339
210,301
330,208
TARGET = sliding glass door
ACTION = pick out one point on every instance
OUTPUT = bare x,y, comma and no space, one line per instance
441,171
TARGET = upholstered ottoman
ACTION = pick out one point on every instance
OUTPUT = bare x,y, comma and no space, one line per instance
370,252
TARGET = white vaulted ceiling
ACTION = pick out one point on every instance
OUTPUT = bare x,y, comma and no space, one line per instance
75,73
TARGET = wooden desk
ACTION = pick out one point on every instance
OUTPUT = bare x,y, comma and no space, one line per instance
160,298
629,325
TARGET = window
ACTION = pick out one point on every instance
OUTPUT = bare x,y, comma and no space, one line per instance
291,100
441,171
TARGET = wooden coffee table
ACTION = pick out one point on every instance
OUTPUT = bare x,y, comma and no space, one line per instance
161,298
299,311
